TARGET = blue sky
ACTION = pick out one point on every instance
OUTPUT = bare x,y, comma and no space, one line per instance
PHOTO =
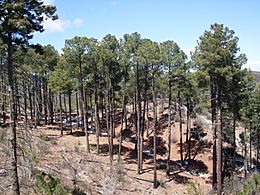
183,21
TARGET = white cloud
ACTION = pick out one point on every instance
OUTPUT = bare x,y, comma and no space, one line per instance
114,2
49,2
60,25
55,25
253,65
253,62
77,22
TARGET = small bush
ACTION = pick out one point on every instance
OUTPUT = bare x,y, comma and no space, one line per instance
194,189
54,141
45,138
77,191
120,172
251,186
49,185
256,178
113,178
1,137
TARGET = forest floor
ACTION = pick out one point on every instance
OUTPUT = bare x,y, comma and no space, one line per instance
66,157
64,154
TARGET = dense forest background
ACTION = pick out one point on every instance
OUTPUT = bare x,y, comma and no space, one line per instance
127,88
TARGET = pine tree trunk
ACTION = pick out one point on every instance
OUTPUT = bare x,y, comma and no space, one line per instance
70,111
3,88
155,182
111,108
169,126
233,126
188,128
97,122
189,142
83,103
102,109
61,122
189,131
245,152
77,108
30,103
219,143
112,118
65,105
25,102
45,102
257,158
135,126
51,104
109,126
147,116
2,85
4,109
143,118
91,112
138,121
234,143
125,115
122,125
250,146
13,119
180,114
36,105
108,122
86,109
17,98
56,108
213,121
187,120
39,88
257,150
84,99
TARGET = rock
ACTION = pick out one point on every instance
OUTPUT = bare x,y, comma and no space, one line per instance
3,173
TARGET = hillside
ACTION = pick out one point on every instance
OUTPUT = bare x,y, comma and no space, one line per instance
256,75
65,158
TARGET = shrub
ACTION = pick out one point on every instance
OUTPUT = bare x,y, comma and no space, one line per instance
113,178
194,189
251,186
49,185
45,138
1,137
77,191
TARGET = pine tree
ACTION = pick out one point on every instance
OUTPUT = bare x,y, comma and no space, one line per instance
215,54
173,57
75,52
61,82
19,20
113,74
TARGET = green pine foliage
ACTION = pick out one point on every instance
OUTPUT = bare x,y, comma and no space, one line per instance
251,186
49,185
